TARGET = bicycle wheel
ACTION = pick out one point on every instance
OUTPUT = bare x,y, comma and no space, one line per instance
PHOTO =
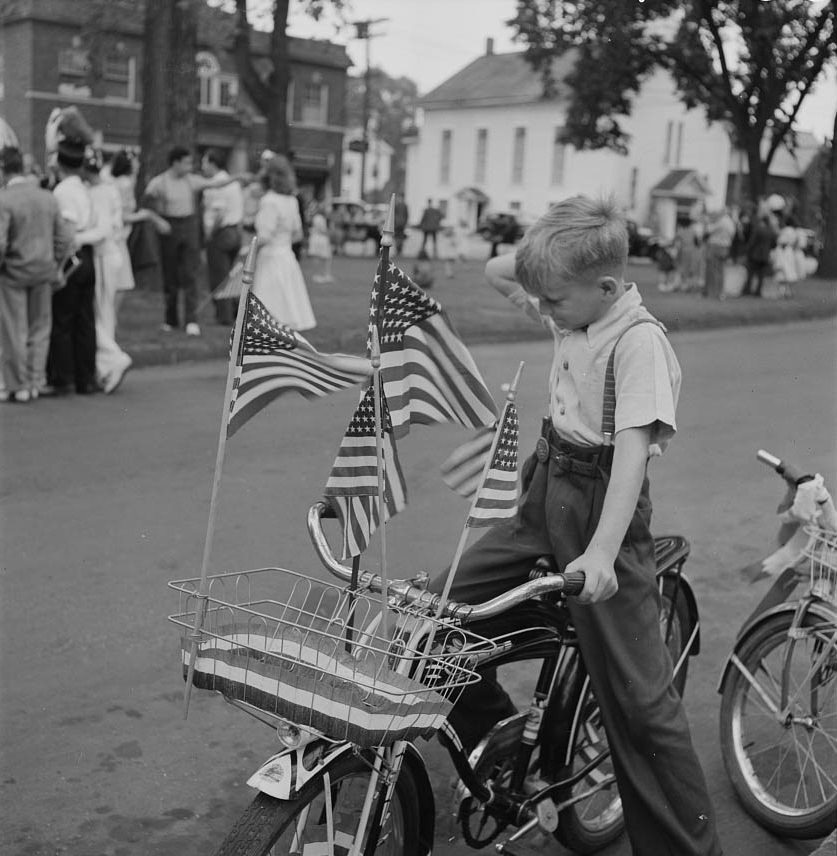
304,826
595,821
783,762
675,629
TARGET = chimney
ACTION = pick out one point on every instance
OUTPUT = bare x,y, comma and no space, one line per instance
489,47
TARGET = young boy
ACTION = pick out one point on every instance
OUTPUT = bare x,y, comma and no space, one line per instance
586,502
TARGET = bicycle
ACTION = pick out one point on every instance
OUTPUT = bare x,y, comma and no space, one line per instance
778,717
356,784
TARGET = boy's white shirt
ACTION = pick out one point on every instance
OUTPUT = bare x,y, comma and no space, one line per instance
642,398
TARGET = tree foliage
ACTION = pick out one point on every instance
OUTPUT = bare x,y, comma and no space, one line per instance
748,63
269,92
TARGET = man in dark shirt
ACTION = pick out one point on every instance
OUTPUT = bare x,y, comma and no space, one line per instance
34,241
429,224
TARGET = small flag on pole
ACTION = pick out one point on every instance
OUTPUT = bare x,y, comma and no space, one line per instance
427,372
496,499
352,485
462,471
231,285
274,359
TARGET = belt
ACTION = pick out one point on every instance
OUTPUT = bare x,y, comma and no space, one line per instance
570,458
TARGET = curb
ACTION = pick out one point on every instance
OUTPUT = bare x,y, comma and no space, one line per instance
172,353
828,847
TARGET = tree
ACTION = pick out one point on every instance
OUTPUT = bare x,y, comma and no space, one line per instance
169,83
828,259
270,93
392,103
748,63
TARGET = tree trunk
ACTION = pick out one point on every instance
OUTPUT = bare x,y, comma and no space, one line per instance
278,135
154,116
756,171
828,259
183,87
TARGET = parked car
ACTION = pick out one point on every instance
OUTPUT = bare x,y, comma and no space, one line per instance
501,227
642,241
354,220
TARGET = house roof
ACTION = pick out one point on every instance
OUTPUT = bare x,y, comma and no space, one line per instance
784,163
494,80
681,182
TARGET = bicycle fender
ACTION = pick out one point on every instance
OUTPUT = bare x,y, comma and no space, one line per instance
691,604
817,607
285,773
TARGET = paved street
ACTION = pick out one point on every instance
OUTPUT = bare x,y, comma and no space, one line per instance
105,499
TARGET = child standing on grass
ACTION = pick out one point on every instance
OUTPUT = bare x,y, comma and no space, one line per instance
585,501
319,247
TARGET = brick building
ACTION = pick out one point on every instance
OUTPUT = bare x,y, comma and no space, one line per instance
45,62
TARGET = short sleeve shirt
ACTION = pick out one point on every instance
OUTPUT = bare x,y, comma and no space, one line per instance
646,369
175,194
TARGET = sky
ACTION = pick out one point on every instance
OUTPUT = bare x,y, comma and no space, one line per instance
430,40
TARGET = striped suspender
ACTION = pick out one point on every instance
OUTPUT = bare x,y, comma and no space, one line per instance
609,399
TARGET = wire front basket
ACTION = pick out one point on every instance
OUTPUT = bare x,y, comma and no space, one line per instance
312,653
821,550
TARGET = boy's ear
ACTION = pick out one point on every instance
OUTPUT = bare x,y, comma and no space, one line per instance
609,286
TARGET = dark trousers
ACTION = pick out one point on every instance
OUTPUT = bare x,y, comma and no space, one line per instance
756,270
180,255
222,249
432,236
72,343
666,802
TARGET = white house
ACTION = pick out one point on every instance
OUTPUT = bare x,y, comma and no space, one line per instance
378,167
489,141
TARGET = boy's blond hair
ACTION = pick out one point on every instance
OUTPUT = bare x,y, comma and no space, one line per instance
577,238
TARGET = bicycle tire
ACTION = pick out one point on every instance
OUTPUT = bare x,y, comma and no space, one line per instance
681,628
267,826
753,739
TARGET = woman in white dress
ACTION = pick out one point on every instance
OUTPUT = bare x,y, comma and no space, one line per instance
278,280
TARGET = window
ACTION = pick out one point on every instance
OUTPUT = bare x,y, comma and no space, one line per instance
679,149
481,155
632,190
314,108
2,76
444,164
514,206
558,154
217,90
518,155
667,150
119,75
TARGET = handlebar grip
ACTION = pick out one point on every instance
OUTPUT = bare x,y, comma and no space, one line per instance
573,583
791,474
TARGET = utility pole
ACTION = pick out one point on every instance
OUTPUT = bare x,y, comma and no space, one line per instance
362,32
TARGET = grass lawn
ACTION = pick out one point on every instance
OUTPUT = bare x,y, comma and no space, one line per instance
479,313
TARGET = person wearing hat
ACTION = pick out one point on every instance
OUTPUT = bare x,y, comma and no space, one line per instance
71,366
34,241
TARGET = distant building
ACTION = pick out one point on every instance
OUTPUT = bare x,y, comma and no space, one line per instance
490,140
44,63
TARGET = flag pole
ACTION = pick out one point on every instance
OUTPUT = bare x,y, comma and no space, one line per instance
460,547
377,395
203,594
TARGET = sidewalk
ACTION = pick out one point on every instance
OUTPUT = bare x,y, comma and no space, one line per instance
479,313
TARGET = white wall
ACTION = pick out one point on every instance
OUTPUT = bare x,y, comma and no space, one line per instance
378,167
593,173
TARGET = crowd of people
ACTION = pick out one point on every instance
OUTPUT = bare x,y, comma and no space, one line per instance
763,243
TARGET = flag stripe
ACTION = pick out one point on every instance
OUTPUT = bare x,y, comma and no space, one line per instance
273,359
463,470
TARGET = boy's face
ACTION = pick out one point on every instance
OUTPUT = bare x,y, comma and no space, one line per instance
575,303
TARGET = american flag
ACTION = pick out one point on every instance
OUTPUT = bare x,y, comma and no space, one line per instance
273,359
462,471
497,496
352,485
428,374
232,283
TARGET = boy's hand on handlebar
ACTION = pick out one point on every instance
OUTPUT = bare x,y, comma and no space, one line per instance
600,582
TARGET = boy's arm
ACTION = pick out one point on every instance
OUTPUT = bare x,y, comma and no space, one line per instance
499,272
630,455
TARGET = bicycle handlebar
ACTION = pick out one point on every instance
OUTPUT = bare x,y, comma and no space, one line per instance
791,474
405,591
